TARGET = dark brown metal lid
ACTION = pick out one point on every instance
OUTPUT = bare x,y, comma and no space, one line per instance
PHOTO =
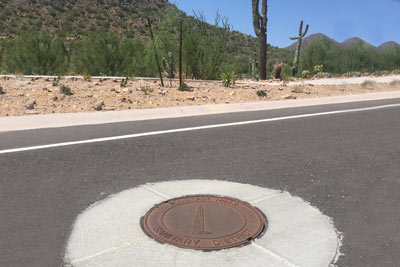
204,222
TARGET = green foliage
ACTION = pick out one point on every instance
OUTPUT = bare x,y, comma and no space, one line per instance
355,58
65,90
119,44
2,90
37,53
286,73
228,78
261,93
184,87
107,54
205,47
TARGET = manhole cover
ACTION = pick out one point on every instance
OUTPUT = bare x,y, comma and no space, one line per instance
204,222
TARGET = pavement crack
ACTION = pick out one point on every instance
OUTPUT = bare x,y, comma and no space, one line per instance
260,199
158,193
280,258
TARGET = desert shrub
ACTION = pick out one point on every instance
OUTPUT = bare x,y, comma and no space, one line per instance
228,78
56,81
205,49
37,53
108,54
306,74
65,90
261,93
318,69
86,76
394,83
2,90
286,72
184,87
124,82
146,90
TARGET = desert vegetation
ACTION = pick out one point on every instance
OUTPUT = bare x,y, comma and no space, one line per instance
352,60
76,37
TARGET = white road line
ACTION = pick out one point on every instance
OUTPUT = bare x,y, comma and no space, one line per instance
106,139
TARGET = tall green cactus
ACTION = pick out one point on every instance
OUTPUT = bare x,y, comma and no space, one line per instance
260,29
297,55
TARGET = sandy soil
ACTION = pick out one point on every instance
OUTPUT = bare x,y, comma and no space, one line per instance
29,96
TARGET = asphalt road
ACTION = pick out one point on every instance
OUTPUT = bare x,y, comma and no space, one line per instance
347,165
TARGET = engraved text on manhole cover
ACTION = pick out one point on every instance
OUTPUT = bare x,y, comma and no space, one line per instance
204,222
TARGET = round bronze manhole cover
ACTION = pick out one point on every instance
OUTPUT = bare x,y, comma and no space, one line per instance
204,222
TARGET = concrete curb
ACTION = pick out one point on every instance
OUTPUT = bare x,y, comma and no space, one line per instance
19,123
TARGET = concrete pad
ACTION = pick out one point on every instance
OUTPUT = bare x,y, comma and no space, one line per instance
108,234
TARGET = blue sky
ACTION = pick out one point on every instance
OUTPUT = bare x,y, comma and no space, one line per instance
375,21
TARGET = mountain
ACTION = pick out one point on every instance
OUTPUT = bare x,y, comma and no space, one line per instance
387,45
355,40
307,41
318,36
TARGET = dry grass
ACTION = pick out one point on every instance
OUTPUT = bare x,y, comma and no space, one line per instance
368,83
298,90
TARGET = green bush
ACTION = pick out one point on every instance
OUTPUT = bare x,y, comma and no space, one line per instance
228,78
2,90
65,90
184,87
261,93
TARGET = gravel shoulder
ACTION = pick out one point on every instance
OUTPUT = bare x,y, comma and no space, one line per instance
33,95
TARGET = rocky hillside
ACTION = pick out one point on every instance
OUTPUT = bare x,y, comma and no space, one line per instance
78,17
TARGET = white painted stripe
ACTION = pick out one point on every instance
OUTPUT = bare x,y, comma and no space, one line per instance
113,138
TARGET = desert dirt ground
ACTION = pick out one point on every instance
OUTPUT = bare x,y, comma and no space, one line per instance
30,96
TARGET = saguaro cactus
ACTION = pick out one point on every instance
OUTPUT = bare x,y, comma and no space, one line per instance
297,55
260,29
